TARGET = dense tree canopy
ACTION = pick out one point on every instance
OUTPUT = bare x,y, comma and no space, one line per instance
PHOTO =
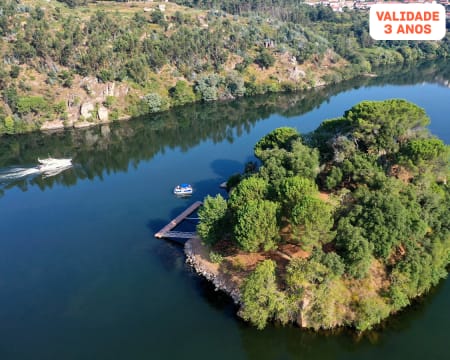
372,220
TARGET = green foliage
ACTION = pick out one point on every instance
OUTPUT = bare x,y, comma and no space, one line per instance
312,220
15,71
354,249
363,169
8,123
261,300
304,161
283,154
235,84
182,93
382,227
423,156
154,102
293,190
265,59
252,188
60,107
213,218
256,226
380,126
317,279
109,101
216,258
31,104
125,45
280,138
233,181
73,3
334,178
301,273
370,311
207,87
388,220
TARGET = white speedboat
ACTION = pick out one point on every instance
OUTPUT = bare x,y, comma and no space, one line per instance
183,190
51,164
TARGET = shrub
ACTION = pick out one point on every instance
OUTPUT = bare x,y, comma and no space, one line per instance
216,258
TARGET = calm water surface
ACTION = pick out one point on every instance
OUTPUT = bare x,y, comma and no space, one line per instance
81,276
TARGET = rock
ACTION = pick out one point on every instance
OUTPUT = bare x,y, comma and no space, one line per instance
110,88
217,281
102,114
52,125
82,124
86,110
296,74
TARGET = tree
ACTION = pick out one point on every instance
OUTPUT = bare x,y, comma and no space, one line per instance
388,220
265,59
354,248
256,226
381,126
252,188
154,102
303,160
235,84
280,138
292,191
213,217
207,87
182,93
370,311
334,178
261,300
312,220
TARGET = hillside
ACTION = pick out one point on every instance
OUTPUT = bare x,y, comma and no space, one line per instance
94,62
340,227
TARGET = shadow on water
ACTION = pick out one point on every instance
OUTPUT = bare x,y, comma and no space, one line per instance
225,167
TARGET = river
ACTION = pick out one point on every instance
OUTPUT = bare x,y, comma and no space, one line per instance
81,276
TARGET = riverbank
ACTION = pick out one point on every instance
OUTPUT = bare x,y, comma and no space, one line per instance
229,273
147,58
197,256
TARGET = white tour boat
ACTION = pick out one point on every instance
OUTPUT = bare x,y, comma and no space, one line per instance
183,189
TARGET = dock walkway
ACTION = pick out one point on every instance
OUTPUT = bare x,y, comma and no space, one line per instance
166,232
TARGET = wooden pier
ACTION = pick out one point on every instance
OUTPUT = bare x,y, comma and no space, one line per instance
166,232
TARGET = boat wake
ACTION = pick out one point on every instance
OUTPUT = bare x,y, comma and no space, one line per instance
18,173
47,168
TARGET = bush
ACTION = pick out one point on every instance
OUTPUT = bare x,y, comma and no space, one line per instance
265,59
31,104
154,102
216,258
182,93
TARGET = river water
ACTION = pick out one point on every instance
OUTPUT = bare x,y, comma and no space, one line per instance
81,276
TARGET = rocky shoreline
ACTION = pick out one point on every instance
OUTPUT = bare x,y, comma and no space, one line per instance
198,257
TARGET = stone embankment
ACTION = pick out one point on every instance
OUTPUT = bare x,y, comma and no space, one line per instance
197,256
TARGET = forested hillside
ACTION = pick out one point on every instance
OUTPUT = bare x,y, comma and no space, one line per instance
75,62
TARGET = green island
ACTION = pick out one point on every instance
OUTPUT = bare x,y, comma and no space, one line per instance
77,63
342,226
